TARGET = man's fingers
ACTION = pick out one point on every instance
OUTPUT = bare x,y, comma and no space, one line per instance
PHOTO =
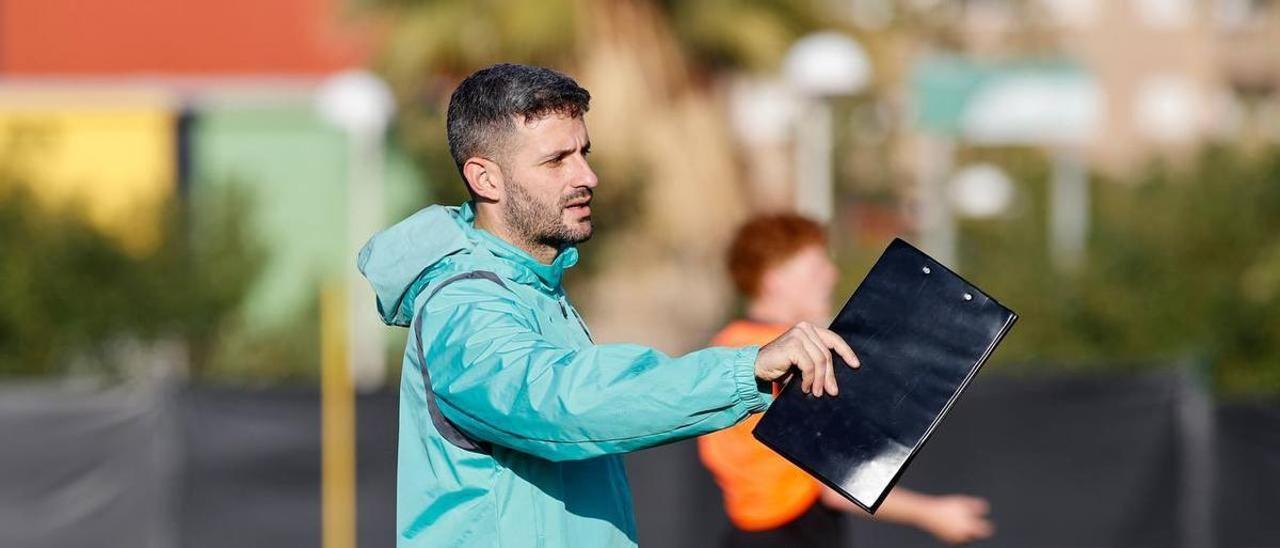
828,375
836,342
809,348
820,369
804,363
821,360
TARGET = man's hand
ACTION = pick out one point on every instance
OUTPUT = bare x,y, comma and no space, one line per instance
808,348
957,519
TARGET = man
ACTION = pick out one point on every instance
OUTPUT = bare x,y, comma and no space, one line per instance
780,265
512,420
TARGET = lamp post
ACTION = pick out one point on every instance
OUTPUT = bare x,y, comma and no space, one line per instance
352,356
820,67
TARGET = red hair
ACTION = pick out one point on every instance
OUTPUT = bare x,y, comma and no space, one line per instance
764,242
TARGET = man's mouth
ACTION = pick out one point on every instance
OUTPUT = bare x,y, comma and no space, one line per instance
583,207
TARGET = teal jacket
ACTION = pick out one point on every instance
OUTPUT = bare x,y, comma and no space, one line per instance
512,367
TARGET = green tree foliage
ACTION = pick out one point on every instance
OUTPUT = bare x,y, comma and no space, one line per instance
738,34
70,291
429,46
1183,261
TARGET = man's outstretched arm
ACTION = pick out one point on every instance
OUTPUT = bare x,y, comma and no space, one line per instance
501,381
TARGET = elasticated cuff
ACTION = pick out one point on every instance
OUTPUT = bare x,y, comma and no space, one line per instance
755,394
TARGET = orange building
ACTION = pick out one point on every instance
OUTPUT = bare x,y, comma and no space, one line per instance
163,37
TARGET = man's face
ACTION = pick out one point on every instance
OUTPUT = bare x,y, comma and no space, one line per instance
548,182
805,280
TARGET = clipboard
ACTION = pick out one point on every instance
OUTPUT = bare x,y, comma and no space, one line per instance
921,332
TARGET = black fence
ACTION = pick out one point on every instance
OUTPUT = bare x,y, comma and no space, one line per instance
1142,460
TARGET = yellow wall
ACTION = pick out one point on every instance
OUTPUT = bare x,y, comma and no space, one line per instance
116,162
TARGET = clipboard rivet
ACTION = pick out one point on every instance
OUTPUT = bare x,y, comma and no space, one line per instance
968,297
926,270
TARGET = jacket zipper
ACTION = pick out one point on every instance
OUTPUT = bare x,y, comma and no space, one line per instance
565,312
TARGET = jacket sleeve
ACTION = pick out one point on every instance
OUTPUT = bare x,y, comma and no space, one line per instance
499,380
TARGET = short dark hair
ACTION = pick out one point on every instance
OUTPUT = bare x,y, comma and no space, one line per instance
485,105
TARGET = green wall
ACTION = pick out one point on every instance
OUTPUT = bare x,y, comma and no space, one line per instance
292,168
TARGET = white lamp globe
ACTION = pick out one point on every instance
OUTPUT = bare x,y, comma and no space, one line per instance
827,64
357,101
981,191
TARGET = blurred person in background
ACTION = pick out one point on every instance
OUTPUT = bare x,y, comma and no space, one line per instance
782,268
512,420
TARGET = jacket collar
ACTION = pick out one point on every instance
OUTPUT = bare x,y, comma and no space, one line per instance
549,275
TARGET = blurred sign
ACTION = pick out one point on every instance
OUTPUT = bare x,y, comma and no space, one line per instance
1015,103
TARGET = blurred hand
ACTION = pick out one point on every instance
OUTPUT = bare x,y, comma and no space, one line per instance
808,348
957,519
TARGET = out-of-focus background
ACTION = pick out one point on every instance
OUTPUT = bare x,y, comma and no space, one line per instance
188,359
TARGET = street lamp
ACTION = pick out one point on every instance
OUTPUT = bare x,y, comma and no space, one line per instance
361,105
820,67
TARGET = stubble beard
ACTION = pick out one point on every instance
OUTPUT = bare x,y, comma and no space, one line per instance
542,224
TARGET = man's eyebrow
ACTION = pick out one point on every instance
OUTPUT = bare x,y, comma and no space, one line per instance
557,154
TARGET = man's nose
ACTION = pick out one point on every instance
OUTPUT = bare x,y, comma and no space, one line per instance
586,176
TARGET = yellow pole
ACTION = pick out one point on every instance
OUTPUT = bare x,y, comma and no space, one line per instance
337,425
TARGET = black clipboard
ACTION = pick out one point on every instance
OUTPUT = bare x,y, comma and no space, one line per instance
921,333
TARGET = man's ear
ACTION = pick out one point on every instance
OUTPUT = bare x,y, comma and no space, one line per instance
484,178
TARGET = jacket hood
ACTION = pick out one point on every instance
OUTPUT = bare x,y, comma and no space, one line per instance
396,259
